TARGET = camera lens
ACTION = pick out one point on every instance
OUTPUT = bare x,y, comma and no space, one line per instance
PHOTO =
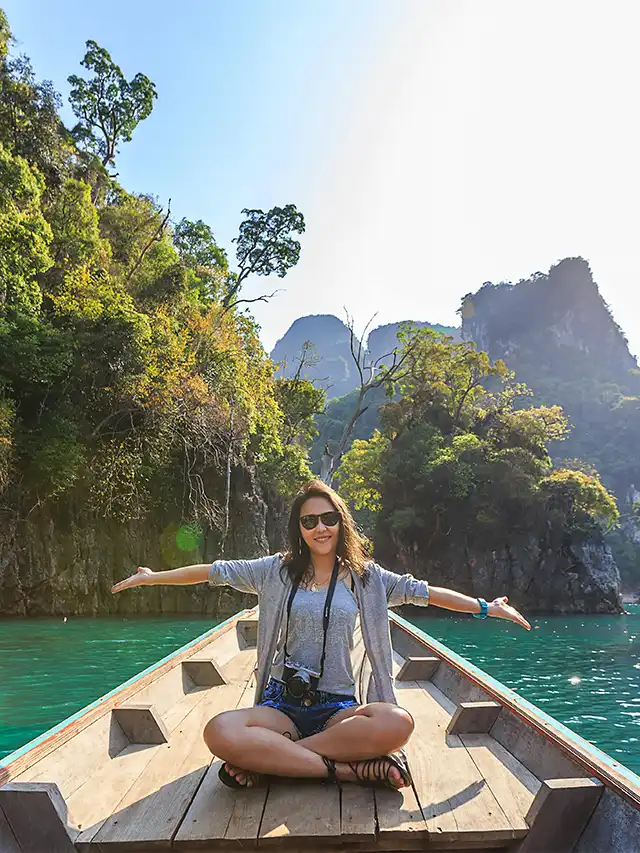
298,684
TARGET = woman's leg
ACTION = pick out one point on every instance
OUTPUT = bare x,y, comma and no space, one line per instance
362,732
358,734
263,740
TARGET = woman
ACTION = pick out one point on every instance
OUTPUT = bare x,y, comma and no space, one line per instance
306,721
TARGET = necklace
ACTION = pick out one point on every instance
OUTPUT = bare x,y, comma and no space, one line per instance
314,587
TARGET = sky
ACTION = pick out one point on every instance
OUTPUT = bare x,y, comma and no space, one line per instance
432,145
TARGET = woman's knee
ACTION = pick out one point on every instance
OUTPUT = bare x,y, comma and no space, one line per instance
396,724
404,724
221,732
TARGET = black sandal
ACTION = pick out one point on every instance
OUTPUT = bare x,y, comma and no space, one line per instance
231,782
374,771
330,764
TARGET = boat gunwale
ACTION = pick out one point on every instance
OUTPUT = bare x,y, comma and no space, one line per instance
619,778
24,757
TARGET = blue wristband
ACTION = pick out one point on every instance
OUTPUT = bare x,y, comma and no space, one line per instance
484,610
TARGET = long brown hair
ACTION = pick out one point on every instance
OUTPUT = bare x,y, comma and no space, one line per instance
350,548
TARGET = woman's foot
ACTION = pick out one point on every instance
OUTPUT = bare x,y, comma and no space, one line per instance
382,771
242,778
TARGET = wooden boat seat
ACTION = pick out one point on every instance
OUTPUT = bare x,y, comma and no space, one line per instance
141,723
203,672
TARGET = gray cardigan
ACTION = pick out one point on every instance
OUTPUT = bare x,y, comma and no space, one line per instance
384,589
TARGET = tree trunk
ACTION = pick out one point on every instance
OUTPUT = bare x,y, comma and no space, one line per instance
227,500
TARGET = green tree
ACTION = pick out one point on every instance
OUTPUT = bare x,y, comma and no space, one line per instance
74,222
206,263
458,468
25,235
108,106
265,247
29,122
127,389
197,246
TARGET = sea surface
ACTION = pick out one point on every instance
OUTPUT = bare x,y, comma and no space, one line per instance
582,670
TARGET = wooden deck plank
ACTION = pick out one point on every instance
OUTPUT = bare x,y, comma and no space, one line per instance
112,782
454,780
153,807
513,786
116,777
358,814
399,816
75,762
240,667
169,782
300,813
174,715
219,814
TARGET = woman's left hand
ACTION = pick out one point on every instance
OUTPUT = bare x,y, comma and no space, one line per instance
500,609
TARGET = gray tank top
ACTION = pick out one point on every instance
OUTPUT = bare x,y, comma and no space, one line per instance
306,635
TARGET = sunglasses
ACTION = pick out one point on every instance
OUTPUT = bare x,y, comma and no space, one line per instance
329,519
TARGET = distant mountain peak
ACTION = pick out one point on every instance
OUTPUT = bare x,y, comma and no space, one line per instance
334,369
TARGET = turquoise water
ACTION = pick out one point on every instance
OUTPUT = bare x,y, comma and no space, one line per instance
584,671
49,669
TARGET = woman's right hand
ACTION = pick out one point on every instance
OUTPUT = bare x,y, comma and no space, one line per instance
143,577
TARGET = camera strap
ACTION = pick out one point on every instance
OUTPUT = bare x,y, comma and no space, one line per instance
325,616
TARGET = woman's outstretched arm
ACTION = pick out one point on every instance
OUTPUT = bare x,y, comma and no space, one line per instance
198,573
405,589
243,575
498,608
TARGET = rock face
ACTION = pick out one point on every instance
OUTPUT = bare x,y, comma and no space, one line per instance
383,339
579,578
558,335
66,564
334,370
554,324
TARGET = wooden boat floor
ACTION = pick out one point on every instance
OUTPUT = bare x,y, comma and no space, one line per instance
473,793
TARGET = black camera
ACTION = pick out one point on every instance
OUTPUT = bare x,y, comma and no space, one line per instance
301,682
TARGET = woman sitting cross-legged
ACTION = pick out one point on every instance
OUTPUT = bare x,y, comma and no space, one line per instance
306,721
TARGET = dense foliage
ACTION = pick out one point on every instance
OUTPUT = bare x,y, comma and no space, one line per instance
455,463
129,378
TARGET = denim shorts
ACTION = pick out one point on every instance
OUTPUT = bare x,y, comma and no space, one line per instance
307,720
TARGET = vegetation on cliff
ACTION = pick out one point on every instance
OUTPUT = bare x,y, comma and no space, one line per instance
457,466
558,335
131,379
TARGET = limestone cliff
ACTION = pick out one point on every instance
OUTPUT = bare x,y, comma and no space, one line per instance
64,563
576,578
558,335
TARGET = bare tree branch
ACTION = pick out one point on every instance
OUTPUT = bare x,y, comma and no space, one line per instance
264,298
377,376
